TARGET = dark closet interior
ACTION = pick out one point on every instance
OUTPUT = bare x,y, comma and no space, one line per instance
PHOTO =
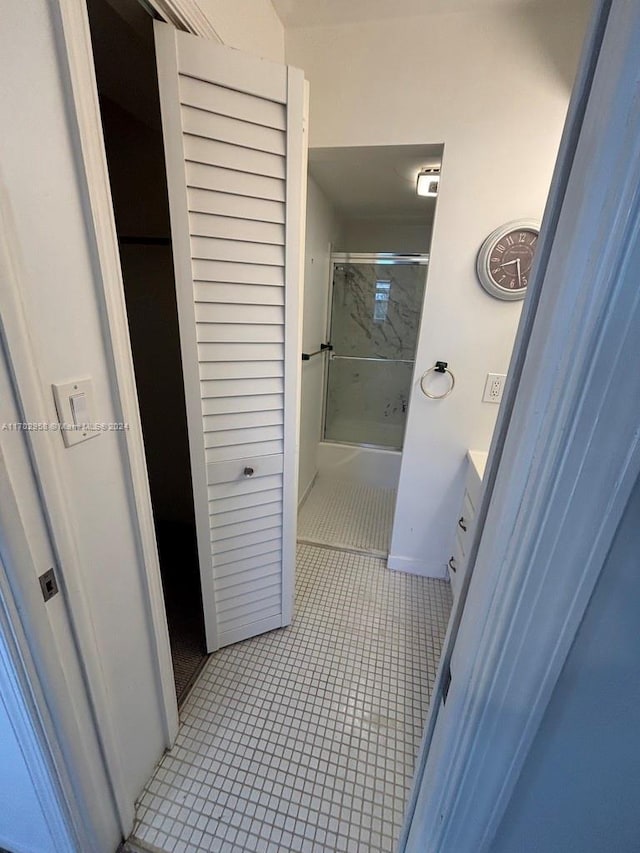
122,37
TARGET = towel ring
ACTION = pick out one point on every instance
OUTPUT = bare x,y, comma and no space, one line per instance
439,367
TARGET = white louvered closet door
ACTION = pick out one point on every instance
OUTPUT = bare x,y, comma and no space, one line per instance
235,148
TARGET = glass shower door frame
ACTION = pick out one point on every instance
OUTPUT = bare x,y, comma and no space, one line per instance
380,259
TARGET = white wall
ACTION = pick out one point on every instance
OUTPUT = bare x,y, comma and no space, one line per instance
323,228
494,88
386,235
578,791
42,188
249,25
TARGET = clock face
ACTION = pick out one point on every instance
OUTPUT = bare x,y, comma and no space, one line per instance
505,259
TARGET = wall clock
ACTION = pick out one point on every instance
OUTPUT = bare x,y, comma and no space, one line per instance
505,258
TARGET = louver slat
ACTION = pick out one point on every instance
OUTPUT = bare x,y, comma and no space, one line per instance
233,128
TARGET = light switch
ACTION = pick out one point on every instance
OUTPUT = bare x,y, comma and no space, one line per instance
74,404
79,409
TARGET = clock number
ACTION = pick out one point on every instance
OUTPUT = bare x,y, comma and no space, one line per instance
510,240
500,248
522,238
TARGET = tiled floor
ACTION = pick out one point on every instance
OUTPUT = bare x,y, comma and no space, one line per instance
304,739
348,515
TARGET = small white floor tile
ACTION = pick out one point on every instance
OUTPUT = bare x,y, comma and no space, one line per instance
305,738
348,515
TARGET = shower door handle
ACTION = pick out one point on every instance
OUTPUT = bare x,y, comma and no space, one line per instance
306,356
335,357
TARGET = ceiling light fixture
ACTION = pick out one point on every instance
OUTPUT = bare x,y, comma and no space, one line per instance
427,184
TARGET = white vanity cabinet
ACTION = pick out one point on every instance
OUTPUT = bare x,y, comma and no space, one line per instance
457,564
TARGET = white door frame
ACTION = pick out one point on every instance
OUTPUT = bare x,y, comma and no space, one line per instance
73,22
31,698
184,15
36,687
21,361
21,686
564,459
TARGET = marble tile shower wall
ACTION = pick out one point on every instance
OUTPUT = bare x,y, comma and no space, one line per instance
354,330
376,314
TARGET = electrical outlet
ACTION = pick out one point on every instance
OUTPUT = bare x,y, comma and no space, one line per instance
494,387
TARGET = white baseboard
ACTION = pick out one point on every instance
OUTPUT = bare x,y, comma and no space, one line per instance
305,494
417,567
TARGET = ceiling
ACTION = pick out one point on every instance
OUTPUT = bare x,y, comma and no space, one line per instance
375,181
311,13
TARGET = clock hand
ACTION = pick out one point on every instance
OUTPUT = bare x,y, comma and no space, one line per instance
508,263
518,271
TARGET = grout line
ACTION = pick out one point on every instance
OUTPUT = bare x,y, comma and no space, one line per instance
382,555
305,738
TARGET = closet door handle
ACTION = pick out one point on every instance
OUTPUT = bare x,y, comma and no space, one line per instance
452,564
461,523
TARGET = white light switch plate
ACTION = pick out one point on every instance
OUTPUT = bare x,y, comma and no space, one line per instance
493,387
82,392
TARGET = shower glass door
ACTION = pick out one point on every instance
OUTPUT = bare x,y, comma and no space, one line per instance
375,319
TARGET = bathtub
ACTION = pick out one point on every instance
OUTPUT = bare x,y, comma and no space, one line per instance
370,466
